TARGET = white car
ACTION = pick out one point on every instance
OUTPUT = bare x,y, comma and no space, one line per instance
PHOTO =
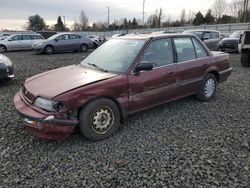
6,68
19,42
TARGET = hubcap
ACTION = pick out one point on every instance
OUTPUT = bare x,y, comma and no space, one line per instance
209,88
102,120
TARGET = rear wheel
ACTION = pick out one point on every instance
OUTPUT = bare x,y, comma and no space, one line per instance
208,88
83,48
49,50
99,119
2,48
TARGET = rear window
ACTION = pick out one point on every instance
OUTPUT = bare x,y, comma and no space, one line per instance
184,48
200,51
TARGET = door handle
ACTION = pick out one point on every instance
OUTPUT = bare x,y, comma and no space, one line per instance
169,73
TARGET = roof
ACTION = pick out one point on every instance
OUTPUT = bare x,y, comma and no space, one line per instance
200,30
153,35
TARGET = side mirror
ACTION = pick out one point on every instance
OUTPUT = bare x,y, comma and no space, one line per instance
144,66
9,40
56,40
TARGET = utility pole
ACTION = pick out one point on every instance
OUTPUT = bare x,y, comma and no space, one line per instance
64,21
108,17
143,5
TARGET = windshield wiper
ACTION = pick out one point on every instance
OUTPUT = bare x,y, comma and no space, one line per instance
96,66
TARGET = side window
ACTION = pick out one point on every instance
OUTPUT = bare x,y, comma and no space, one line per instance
159,53
26,37
61,37
207,35
214,35
74,36
184,48
17,37
200,51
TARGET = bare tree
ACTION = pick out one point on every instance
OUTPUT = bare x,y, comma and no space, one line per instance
219,8
183,16
191,16
160,16
239,9
83,21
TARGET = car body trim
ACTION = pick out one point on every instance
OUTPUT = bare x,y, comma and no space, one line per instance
225,71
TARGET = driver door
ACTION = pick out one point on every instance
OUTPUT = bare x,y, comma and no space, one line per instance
156,86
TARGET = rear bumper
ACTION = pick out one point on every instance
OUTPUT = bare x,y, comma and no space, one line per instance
225,74
42,125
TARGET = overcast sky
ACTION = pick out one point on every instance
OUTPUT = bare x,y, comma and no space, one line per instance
14,13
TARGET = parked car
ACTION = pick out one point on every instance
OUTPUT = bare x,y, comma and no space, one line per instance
4,35
19,42
231,43
97,41
63,42
244,48
6,68
210,37
123,76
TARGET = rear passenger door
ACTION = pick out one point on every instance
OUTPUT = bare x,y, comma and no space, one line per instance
61,43
212,40
26,43
192,64
75,41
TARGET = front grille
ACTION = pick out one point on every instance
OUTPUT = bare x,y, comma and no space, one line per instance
29,97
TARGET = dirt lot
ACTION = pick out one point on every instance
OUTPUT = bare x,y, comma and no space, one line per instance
181,144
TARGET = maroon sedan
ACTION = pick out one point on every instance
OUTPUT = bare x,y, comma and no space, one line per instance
123,76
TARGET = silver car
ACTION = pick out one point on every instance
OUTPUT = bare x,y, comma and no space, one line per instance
63,42
19,42
210,37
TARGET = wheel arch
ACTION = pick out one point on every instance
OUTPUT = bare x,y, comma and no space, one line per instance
47,46
216,74
121,109
4,46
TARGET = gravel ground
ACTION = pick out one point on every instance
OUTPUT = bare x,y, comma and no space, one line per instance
185,143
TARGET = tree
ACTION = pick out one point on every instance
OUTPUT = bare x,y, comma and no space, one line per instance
160,16
36,23
59,26
183,17
219,8
153,21
83,21
125,24
134,24
226,19
209,18
240,10
199,19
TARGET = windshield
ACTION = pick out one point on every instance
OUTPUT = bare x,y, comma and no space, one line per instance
235,34
54,36
115,55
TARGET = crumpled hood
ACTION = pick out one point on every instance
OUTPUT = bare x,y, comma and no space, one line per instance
230,40
55,82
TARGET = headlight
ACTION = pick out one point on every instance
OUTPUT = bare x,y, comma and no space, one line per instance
49,105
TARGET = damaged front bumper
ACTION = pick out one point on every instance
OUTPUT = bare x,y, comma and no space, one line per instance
43,125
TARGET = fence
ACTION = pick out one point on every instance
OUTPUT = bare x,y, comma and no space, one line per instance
224,28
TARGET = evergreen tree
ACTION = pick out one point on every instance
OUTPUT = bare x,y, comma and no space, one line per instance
199,19
209,18
59,26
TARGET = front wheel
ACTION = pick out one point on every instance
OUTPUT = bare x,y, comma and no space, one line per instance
208,88
99,119
49,50
83,48
2,48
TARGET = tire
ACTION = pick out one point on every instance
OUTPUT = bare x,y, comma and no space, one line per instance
245,59
49,50
83,48
2,48
99,119
208,88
